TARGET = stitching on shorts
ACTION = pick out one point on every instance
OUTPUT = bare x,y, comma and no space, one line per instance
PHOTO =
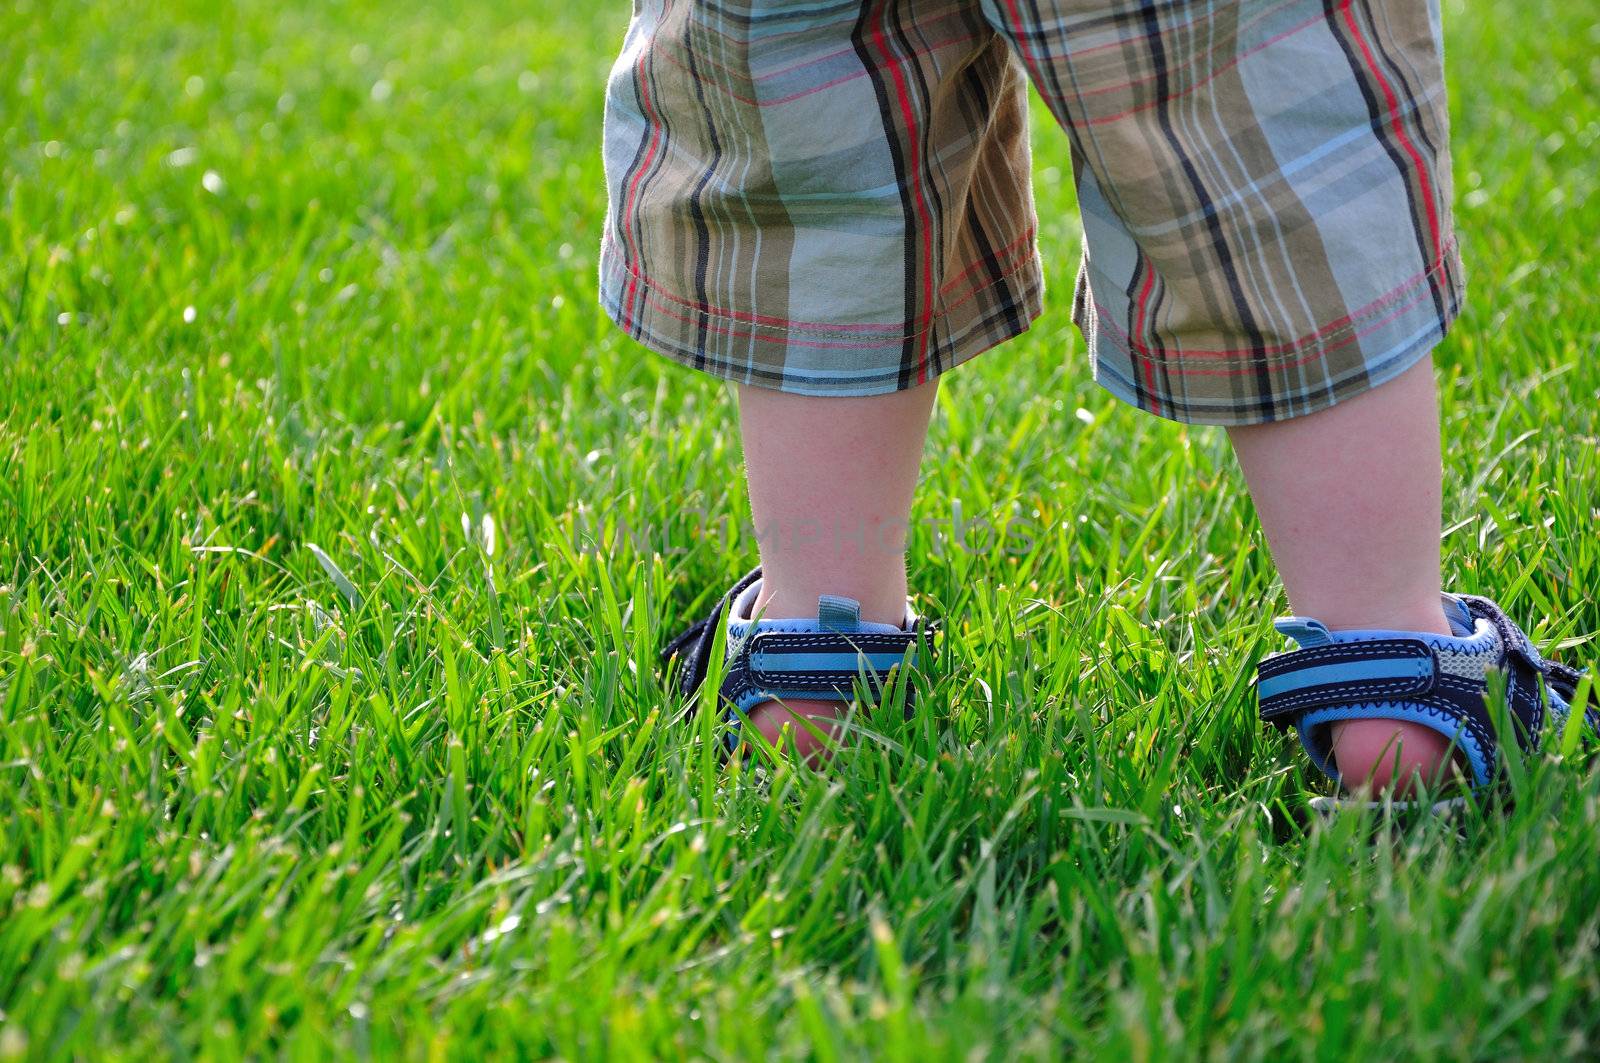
1302,349
611,252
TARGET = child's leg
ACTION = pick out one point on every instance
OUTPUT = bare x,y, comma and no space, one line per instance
1265,192
821,203
831,481
1350,501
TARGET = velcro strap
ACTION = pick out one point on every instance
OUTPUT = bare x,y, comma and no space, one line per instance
1289,683
828,660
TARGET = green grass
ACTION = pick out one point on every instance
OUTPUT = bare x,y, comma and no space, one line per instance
283,275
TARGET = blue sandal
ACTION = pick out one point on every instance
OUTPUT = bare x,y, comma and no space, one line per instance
831,656
1438,681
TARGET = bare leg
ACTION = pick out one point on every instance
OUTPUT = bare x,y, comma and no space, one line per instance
831,482
1350,500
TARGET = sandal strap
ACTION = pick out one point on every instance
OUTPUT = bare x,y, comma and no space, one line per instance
791,664
1305,681
1414,675
796,664
692,648
1289,683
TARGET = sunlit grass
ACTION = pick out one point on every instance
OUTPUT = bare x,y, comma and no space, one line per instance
328,713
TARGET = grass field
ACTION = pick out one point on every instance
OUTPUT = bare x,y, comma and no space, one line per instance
328,714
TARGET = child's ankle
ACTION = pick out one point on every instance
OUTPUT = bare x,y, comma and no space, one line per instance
1422,614
882,599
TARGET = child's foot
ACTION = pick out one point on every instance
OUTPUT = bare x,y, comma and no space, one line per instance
782,674
806,728
1390,756
1386,710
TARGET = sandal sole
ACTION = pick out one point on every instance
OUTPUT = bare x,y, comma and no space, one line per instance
1328,807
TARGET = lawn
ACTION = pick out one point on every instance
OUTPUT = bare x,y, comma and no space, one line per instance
338,532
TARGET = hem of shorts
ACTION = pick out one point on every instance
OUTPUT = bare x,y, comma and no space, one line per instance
984,334
1340,390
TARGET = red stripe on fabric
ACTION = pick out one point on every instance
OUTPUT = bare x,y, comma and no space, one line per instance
743,41
810,90
783,322
1001,259
1172,69
756,79
924,216
654,297
1395,123
1218,72
632,201
1318,351
1144,358
1124,41
1313,354
1021,34
1375,305
787,338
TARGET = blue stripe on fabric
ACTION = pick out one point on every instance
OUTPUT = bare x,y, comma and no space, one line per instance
1351,672
765,661
794,20
880,192
1285,169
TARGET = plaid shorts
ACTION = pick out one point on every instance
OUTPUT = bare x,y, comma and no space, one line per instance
831,197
